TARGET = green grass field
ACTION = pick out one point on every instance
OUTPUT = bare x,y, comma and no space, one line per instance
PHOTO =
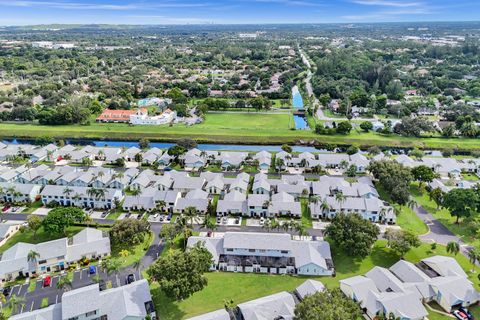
229,128
241,287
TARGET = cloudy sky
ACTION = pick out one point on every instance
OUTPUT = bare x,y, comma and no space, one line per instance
24,12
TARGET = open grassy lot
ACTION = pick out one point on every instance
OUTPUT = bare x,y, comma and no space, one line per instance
230,128
241,287
135,252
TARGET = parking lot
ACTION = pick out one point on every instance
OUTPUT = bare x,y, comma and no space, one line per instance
81,278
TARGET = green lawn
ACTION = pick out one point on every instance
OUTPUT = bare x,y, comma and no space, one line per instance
241,287
306,218
44,303
136,252
464,230
230,128
32,207
470,176
406,218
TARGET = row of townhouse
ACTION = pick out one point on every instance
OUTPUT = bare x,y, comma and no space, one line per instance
131,301
276,306
404,287
83,197
446,167
195,159
52,255
272,253
333,195
447,184
95,177
324,160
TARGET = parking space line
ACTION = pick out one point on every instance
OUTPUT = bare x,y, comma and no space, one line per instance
56,299
31,308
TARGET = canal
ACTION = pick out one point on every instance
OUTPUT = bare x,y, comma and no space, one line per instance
299,119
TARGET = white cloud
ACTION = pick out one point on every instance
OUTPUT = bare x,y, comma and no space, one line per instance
386,3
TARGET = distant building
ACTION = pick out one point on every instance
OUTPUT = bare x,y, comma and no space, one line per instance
141,117
118,115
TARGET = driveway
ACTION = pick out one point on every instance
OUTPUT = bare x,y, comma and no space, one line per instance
437,232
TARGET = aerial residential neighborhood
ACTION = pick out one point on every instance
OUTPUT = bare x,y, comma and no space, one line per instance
239,160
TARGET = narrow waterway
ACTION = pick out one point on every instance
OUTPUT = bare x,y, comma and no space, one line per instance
300,121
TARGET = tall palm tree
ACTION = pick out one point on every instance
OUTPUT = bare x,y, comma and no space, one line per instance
15,302
113,267
324,206
100,193
340,197
161,205
64,283
267,225
412,204
182,224
300,229
209,224
136,193
32,256
453,247
473,256
190,213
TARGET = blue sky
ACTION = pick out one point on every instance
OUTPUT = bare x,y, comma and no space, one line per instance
24,12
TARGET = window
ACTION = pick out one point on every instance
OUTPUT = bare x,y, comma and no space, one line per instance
42,261
284,251
91,313
251,250
230,250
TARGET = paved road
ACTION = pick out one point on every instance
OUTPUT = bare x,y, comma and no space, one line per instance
437,232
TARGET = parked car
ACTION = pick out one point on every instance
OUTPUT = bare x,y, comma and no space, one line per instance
102,285
14,209
467,312
156,216
92,270
47,281
460,315
262,221
167,169
130,278
139,217
224,220
6,208
237,220
104,214
6,291
219,220
169,217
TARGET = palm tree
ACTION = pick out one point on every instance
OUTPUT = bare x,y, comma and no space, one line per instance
453,247
100,194
137,265
183,225
3,300
32,256
267,225
473,256
411,204
15,302
300,228
279,164
136,193
49,155
190,213
92,192
113,267
209,224
64,283
324,206
161,205
340,197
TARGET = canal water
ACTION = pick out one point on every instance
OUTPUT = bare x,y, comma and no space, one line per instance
300,122
165,145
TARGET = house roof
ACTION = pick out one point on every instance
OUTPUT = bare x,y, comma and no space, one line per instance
309,287
276,306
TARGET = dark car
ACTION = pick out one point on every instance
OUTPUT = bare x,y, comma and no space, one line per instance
6,291
467,312
458,314
130,278
104,214
5,209
102,285
169,217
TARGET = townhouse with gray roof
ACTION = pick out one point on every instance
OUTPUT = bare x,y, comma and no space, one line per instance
81,197
131,301
267,253
404,287
53,255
